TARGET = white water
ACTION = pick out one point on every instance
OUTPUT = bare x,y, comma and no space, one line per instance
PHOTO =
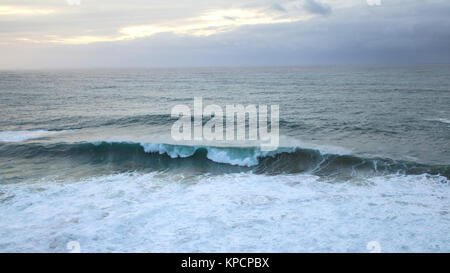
443,120
19,136
227,213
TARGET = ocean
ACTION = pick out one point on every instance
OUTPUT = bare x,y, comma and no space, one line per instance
86,156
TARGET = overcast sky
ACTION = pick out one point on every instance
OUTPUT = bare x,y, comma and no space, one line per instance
150,33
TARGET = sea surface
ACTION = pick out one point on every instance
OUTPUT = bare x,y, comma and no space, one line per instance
87,156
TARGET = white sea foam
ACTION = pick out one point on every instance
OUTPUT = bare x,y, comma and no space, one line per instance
224,156
173,151
443,120
228,213
19,136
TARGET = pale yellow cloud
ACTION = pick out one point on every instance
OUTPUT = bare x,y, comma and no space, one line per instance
209,23
134,32
85,39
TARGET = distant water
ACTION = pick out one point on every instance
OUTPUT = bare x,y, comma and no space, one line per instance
86,155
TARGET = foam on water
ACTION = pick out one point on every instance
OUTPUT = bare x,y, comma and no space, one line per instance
443,120
19,136
240,212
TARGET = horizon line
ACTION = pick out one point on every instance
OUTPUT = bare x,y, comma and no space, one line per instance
228,66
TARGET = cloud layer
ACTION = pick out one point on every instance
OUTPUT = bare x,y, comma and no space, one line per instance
317,7
51,34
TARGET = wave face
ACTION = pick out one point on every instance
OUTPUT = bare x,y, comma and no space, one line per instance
165,156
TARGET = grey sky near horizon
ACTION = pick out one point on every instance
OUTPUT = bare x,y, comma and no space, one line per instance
138,33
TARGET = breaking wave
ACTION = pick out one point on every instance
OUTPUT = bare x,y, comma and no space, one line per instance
284,160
